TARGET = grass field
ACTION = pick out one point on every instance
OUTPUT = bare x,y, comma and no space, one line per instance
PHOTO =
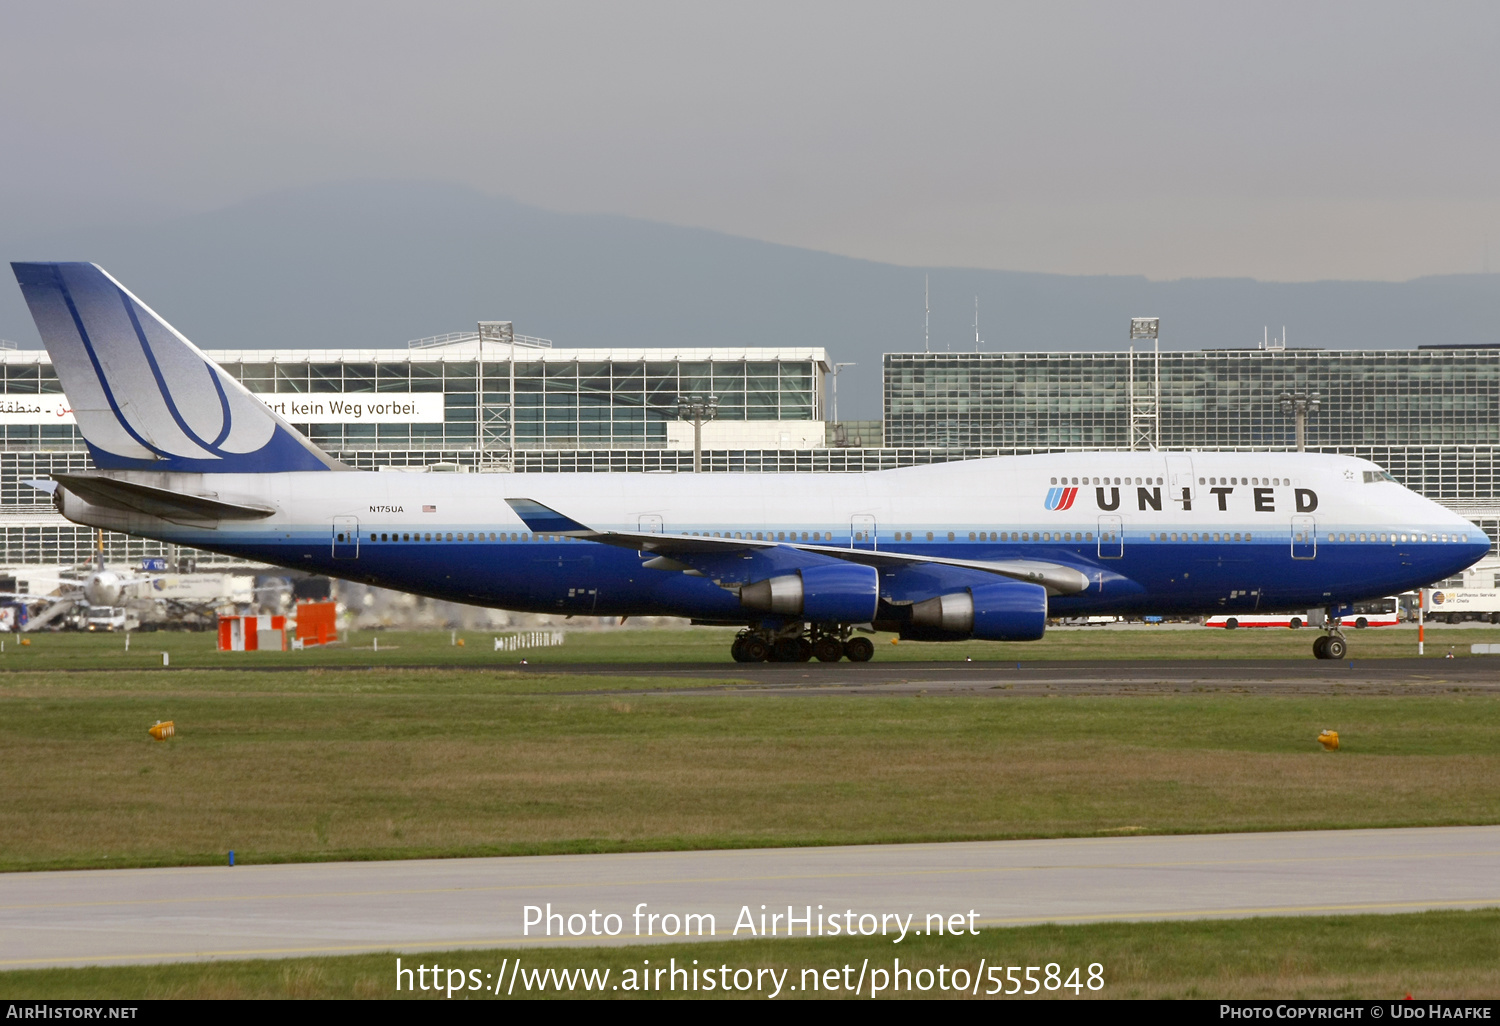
380,763
350,754
1430,955
66,651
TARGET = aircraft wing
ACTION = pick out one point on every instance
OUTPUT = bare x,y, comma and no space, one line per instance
714,557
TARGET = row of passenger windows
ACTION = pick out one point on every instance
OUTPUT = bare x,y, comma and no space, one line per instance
524,536
1020,536
419,536
1106,480
1063,536
1201,536
790,536
1273,481
1348,537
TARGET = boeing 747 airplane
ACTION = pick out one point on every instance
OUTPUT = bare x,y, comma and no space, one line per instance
976,549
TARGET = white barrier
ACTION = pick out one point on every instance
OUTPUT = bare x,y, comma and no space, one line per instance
1484,649
531,639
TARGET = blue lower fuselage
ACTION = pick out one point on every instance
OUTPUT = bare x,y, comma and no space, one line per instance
586,578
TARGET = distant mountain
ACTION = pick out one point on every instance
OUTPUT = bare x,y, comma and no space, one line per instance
372,264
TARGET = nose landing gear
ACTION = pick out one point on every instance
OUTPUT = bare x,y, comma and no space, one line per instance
800,643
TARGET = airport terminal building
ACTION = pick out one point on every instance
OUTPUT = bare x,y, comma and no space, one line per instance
468,401
1430,415
489,399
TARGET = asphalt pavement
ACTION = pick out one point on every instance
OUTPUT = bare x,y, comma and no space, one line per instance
187,914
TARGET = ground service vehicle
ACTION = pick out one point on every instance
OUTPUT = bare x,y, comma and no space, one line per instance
1456,605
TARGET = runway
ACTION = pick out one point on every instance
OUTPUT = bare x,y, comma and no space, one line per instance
1125,677
192,914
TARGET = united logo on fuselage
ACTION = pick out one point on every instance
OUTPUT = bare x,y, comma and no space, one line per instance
1061,498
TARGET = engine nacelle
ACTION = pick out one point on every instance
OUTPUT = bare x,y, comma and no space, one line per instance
836,593
1003,611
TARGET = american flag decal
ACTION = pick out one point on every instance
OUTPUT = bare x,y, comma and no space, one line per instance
429,509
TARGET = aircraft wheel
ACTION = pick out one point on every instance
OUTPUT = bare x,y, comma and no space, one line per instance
1320,648
858,650
753,649
737,650
786,650
1336,648
1361,624
827,650
1296,623
804,650
1231,623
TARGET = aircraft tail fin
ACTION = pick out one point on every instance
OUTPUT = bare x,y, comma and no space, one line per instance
146,398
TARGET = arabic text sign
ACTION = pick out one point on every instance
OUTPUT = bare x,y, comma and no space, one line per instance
356,408
298,408
35,409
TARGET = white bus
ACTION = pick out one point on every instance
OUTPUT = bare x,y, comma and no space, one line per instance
1382,612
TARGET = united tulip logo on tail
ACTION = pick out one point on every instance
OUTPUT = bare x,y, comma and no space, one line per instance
1061,498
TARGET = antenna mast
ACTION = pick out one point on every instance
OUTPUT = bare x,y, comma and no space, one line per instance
926,314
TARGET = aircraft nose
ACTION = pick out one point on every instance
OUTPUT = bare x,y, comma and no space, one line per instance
1477,545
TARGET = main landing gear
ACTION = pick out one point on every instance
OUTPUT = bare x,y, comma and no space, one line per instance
1332,644
798,643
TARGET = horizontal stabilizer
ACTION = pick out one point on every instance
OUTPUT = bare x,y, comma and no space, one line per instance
134,497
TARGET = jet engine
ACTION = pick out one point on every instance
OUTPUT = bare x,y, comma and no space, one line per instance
835,593
1004,610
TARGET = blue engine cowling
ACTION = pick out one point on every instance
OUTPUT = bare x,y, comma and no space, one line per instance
834,593
1002,610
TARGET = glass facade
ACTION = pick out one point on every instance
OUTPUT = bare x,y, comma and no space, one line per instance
561,400
1214,399
1431,417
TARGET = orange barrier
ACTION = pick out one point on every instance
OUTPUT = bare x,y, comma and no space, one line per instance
252,633
316,623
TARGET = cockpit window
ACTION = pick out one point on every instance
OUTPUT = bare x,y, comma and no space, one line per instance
1372,476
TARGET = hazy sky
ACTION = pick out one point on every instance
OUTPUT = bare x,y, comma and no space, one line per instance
1287,141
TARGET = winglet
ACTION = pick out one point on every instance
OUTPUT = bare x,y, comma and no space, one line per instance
545,520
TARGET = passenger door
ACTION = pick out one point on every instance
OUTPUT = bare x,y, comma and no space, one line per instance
1180,479
1111,537
346,537
862,531
1304,538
